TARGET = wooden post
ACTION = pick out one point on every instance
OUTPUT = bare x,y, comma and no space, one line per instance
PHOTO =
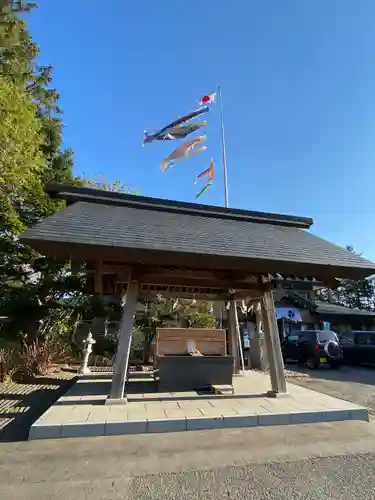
258,353
238,337
232,334
124,343
273,346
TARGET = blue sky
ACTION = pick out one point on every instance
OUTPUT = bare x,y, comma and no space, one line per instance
298,79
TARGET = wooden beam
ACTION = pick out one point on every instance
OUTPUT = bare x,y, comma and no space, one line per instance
153,272
189,282
197,296
201,295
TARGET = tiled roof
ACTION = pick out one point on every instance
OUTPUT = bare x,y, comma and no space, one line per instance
73,194
328,308
144,224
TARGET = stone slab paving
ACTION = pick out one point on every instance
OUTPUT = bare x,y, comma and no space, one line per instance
82,412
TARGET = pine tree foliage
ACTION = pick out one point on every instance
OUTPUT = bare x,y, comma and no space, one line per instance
358,294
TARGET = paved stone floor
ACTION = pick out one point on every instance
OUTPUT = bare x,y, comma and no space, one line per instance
81,412
351,383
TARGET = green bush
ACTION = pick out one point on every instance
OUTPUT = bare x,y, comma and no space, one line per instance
105,347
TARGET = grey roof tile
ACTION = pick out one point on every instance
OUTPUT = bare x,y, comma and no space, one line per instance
329,308
148,228
73,194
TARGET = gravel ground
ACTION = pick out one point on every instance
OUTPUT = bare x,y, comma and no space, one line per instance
352,383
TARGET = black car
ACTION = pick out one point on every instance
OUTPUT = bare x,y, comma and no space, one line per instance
359,347
313,347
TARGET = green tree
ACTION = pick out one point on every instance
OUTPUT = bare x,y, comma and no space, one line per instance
358,294
17,51
21,159
32,289
38,294
101,182
18,65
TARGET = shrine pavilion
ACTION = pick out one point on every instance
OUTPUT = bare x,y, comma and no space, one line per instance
137,247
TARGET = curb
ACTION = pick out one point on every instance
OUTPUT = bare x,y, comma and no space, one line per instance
42,430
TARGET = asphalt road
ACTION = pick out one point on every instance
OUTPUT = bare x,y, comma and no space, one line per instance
343,477
316,461
352,383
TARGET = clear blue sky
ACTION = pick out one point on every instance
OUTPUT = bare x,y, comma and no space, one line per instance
298,79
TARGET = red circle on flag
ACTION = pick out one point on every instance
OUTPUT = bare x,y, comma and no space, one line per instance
205,98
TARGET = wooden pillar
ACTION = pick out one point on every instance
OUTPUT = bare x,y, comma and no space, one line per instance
124,343
258,353
273,346
238,337
232,336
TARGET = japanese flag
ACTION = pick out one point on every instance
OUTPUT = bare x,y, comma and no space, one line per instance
207,99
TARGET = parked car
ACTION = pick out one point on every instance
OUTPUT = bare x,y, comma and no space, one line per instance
313,348
359,347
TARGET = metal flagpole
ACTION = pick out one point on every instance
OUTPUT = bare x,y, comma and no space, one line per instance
224,152
224,156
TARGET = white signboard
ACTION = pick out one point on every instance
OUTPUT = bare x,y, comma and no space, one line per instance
289,313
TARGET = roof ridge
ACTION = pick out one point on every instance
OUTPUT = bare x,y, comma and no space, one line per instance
73,194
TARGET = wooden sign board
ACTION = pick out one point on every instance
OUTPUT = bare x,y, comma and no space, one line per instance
176,340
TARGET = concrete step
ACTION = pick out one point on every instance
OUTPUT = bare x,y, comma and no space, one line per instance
223,389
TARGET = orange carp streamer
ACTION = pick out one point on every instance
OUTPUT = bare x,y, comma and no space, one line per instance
184,151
